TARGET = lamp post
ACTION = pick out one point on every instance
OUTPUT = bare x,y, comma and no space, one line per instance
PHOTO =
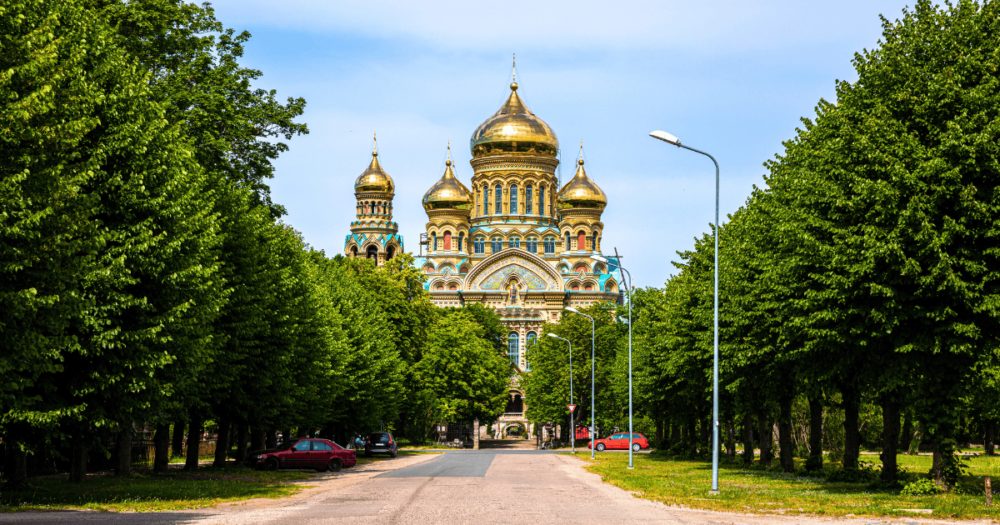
629,322
572,431
670,139
593,330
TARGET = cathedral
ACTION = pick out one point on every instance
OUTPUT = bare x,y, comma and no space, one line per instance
515,241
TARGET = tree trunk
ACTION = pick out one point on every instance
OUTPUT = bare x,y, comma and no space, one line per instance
16,471
256,438
890,435
286,435
241,443
730,440
815,461
659,432
907,433
787,454
937,468
918,436
766,440
852,436
78,459
990,438
177,446
222,443
193,445
123,449
270,439
161,448
706,436
748,439
692,434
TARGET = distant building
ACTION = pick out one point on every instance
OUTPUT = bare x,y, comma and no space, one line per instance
515,242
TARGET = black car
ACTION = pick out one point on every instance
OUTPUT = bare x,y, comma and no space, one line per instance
380,443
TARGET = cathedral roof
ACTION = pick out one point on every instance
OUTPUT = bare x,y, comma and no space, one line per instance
448,192
374,179
581,192
514,129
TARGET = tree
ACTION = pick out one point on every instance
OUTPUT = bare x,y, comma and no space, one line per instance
468,378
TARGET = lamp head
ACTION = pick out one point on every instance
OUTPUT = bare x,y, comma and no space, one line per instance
623,319
571,309
554,335
666,137
599,258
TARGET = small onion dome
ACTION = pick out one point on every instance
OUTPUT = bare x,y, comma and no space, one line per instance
581,192
448,193
514,129
374,179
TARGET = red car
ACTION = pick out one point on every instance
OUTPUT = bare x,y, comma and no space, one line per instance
619,441
309,453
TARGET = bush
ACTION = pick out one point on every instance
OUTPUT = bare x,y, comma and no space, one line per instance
921,487
866,473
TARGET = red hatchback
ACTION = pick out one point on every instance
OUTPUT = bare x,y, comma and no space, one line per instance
310,453
619,441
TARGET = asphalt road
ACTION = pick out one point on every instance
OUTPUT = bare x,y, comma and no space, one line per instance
461,487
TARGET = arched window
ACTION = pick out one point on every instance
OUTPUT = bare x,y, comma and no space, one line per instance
434,242
513,347
499,200
486,200
373,253
593,243
515,242
513,199
461,238
566,247
541,201
527,199
354,252
532,244
479,245
529,341
497,245
390,253
581,241
550,245
447,241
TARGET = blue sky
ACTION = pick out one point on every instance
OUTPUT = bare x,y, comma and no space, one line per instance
731,78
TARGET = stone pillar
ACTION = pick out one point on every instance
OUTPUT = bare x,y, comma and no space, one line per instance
475,435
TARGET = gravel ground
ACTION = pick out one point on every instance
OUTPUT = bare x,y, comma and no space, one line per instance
473,487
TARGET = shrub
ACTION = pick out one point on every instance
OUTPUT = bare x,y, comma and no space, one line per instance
866,473
921,487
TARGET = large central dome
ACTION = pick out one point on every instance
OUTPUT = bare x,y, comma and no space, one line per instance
514,129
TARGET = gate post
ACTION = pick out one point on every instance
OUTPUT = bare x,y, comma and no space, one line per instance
475,434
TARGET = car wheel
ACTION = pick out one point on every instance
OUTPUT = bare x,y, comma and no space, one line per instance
600,447
636,447
393,453
335,465
271,464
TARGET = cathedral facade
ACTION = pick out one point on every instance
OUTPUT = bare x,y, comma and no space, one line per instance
512,240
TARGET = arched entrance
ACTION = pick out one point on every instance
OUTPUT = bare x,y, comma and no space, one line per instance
514,430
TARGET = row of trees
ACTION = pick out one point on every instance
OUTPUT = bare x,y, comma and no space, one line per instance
146,276
865,273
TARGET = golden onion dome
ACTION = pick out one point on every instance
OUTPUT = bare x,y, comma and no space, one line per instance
449,192
514,129
581,192
374,179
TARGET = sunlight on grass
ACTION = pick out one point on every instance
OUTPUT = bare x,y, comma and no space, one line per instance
153,492
772,491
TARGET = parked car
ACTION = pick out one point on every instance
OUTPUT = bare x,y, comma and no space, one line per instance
381,443
619,441
310,453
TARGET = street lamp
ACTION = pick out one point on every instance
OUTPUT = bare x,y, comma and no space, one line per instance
592,332
670,139
629,288
572,431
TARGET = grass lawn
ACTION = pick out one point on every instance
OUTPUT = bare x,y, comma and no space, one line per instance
153,492
687,483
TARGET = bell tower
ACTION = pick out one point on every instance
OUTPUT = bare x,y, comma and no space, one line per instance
374,235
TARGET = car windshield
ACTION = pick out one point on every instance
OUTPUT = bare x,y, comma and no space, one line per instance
379,437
